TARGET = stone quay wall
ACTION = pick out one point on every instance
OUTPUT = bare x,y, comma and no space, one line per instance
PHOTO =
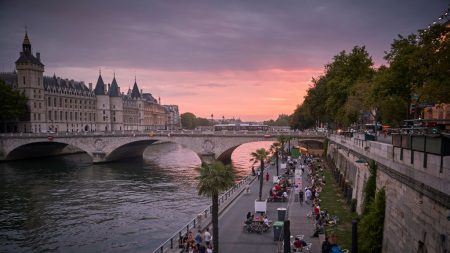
417,196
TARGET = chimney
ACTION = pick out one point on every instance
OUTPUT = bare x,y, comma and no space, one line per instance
159,100
104,88
141,92
90,86
38,55
109,86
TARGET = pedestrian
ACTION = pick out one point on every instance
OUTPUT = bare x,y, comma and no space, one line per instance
300,195
198,238
253,171
326,246
267,176
207,236
259,173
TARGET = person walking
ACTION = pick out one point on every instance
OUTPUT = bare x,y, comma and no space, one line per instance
267,176
258,173
300,197
207,236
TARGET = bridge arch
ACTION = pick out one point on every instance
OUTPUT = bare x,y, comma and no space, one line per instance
39,149
129,150
311,143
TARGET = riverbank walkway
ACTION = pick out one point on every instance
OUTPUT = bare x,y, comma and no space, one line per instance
233,211
232,236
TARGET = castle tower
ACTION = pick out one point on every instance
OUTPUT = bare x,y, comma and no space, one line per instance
103,109
116,106
30,81
135,94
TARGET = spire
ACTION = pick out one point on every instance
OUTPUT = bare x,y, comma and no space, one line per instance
114,89
100,86
26,45
135,92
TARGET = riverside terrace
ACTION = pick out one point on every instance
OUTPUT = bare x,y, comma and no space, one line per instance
112,146
233,207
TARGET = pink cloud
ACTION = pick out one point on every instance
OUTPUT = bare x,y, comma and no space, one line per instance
249,95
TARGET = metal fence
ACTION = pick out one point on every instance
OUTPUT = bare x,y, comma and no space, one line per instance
172,242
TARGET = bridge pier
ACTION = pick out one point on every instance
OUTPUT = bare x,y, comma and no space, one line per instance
207,157
98,157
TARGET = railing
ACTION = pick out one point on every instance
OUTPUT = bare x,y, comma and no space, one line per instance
174,239
167,133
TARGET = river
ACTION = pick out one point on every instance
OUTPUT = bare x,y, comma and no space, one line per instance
67,204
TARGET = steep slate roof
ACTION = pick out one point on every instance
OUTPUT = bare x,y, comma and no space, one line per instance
135,92
114,89
100,87
26,56
53,83
149,98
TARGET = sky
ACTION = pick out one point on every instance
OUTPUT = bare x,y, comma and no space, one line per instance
244,59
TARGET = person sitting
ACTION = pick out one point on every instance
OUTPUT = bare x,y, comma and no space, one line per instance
249,214
299,244
266,222
285,196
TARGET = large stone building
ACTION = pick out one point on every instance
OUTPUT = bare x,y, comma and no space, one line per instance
55,104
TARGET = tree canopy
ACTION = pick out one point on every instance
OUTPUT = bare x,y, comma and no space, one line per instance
352,89
13,103
190,121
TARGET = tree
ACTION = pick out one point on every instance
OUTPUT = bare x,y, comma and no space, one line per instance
188,120
202,122
260,155
372,224
274,149
371,186
215,178
13,103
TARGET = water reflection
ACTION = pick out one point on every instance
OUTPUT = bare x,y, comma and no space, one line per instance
67,204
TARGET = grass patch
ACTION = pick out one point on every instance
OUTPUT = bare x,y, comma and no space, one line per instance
333,201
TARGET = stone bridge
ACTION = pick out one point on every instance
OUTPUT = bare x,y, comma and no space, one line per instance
107,147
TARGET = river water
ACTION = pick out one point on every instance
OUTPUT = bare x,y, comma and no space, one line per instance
67,204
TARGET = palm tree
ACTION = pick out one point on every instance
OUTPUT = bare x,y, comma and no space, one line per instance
282,140
275,148
260,155
215,178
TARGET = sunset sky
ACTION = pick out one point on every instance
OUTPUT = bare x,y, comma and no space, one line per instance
235,58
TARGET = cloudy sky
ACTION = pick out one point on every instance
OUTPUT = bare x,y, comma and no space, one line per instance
234,58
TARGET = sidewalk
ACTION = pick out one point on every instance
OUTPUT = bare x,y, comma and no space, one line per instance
233,238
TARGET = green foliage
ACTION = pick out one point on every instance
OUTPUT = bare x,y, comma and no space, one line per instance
325,147
13,103
214,178
418,73
328,99
202,122
188,120
371,186
372,224
282,120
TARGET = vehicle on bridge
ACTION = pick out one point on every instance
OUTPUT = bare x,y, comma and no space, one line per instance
241,127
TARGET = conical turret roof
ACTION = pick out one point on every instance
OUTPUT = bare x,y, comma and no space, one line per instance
100,86
114,89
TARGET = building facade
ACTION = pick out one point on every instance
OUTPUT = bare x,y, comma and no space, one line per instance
173,117
61,105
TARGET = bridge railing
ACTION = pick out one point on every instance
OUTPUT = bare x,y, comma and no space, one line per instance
165,133
173,241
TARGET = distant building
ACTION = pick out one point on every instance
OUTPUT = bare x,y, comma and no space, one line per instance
62,105
173,117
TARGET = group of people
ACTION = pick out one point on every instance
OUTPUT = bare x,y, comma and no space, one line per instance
316,181
257,224
200,243
279,190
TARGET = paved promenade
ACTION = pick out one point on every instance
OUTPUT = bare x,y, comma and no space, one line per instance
233,238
